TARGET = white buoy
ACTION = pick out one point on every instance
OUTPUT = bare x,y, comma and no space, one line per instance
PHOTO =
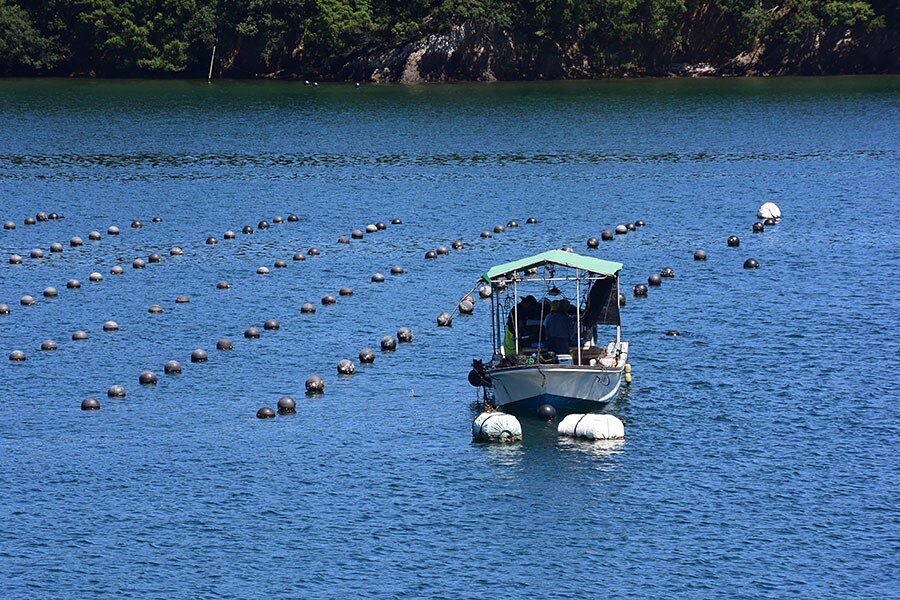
496,427
769,210
592,426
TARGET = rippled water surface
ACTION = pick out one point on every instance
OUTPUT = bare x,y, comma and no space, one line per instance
761,445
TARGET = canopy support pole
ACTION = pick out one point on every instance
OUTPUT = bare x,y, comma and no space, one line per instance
578,312
516,313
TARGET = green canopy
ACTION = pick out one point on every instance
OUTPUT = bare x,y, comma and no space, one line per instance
555,257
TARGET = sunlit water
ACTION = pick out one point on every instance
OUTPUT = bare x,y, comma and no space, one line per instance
760,453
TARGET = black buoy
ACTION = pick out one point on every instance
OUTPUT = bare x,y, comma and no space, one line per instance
271,325
699,255
110,326
262,271
49,346
405,335
90,404
27,300
343,240
465,307
15,259
622,299
292,218
593,242
371,228
50,292
512,224
639,223
42,217
262,225
112,230
223,285
313,252
280,263
138,263
247,230
229,235
154,258
758,227
444,319
116,270
224,344
286,405
265,413
486,234
211,241
430,255
278,220
136,224
16,356
95,277
457,245
499,229
485,292
397,270
94,236
314,385
79,336
56,247
531,221
30,221
199,355
155,309
654,279
54,216
346,291
9,225
4,309
366,356
176,251
357,234
388,343
377,278
667,272
346,367
751,263
172,367
442,250
156,219
76,241
327,300
673,333
299,256
380,225
733,241
116,391
769,222
308,308
546,412
396,222
639,290
147,378
621,230
251,333
630,226
37,253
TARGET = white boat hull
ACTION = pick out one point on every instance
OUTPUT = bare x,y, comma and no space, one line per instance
567,388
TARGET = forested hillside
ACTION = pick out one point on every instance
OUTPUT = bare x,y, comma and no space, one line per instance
421,40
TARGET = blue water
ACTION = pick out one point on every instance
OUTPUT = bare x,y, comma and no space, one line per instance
760,452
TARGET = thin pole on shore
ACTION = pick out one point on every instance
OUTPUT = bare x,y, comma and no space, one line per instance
211,60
